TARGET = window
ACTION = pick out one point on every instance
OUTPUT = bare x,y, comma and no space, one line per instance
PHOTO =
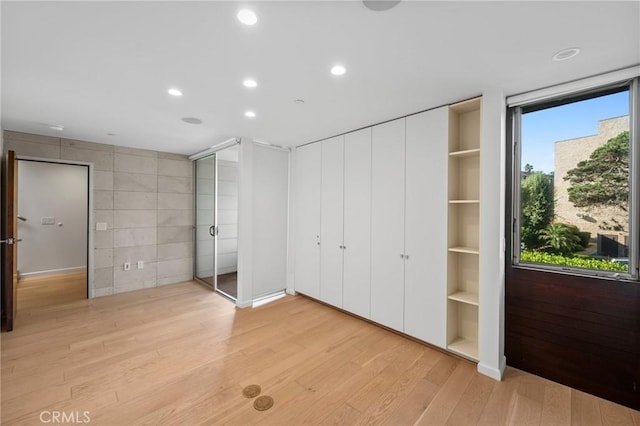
575,183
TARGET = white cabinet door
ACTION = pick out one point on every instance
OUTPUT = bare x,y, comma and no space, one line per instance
331,218
387,224
307,220
425,281
357,222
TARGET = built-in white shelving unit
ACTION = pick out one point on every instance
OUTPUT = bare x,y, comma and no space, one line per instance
464,228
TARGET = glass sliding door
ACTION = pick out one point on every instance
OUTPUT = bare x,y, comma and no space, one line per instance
216,247
227,221
205,256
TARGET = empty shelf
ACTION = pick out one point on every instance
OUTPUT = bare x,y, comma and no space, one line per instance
464,347
465,297
460,249
464,201
465,153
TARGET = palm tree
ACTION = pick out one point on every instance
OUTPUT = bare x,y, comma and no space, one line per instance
560,238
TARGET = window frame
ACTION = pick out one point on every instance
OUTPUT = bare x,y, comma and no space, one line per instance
515,114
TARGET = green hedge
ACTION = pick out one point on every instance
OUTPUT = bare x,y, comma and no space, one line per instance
579,262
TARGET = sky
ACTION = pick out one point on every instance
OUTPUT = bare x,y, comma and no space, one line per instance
541,129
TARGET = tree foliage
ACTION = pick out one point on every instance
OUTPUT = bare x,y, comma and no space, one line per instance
560,238
603,179
580,262
536,207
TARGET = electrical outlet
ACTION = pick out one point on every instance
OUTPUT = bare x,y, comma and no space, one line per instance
101,226
140,264
127,266
48,221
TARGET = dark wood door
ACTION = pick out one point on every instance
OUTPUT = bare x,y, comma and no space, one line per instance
10,246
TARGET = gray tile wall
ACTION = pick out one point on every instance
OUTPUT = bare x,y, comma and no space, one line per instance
146,199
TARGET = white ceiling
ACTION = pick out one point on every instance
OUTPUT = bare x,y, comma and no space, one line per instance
104,67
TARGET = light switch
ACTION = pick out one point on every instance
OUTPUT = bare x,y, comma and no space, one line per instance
140,264
101,226
48,221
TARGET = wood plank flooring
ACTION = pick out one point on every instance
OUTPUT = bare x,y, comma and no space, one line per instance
47,290
181,354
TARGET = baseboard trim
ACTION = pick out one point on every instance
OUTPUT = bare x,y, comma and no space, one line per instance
244,304
52,272
494,373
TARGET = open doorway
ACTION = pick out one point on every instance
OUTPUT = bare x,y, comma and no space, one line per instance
53,200
217,221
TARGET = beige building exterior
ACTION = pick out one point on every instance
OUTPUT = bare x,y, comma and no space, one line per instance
568,153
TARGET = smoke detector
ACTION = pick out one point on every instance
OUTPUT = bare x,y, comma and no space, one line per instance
380,5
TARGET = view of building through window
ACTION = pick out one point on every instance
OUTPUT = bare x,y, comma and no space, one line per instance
574,184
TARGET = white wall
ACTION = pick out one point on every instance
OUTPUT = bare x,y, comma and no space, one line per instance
59,191
227,197
492,238
262,221
270,220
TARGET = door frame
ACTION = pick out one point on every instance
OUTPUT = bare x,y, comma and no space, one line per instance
9,250
90,213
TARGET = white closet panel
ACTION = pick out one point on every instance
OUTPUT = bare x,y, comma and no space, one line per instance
357,222
307,224
425,314
270,192
387,224
331,221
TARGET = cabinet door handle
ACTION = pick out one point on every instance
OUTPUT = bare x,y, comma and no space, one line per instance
406,256
401,256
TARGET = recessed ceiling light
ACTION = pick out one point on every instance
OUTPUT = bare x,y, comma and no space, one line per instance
192,120
566,54
174,92
338,70
56,127
380,5
250,83
250,114
298,101
247,17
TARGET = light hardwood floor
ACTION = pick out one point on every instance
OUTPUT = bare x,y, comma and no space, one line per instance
48,290
181,355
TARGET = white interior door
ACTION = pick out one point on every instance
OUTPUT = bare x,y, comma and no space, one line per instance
357,222
331,221
387,224
425,280
307,219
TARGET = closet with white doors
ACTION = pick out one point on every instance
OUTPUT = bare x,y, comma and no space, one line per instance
425,226
387,224
357,223
345,226
331,220
372,225
307,219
